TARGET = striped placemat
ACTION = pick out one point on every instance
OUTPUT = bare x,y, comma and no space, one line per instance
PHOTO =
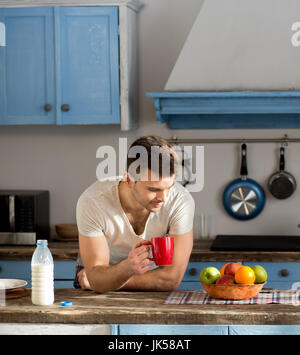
264,297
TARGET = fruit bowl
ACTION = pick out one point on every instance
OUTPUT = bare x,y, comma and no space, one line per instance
233,291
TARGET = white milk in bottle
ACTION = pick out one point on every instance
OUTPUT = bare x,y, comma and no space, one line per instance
42,287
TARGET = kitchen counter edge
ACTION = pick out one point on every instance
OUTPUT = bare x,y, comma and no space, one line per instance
140,308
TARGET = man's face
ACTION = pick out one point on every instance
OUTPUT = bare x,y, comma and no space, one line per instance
152,194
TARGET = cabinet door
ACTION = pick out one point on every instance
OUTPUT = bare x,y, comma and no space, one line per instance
281,275
64,271
264,330
87,62
164,329
27,66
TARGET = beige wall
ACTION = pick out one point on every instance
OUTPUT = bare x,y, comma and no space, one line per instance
63,159
240,45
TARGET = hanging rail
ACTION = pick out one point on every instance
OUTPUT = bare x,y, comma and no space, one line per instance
284,140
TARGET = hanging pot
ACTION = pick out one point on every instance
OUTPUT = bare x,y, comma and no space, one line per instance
244,198
282,184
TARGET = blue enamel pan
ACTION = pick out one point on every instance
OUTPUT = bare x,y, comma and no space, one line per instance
244,198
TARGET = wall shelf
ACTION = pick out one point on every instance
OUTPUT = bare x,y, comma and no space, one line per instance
228,109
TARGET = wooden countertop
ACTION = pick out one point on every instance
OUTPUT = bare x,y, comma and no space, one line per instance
140,308
59,250
201,252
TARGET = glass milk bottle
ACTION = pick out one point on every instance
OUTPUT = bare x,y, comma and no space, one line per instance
42,287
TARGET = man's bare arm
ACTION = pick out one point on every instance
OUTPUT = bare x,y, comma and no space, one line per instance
169,277
103,277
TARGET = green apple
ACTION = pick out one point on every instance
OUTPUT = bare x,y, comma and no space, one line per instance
210,275
260,274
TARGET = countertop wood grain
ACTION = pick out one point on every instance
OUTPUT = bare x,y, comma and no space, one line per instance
140,308
201,252
59,250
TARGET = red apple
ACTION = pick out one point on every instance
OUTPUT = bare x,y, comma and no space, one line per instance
225,280
232,268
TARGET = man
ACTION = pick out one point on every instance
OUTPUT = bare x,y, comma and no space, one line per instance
116,216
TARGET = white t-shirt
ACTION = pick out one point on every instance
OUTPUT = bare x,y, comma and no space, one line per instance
100,213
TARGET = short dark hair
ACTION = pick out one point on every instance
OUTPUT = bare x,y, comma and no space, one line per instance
159,157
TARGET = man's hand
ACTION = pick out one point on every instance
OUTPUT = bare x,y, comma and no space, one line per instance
83,280
138,258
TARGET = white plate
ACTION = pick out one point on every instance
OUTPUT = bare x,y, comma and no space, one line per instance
10,284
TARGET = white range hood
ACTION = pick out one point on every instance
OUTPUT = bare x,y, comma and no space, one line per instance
240,45
239,68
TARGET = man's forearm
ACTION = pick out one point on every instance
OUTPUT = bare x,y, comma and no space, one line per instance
104,278
154,280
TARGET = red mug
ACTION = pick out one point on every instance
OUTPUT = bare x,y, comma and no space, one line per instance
162,250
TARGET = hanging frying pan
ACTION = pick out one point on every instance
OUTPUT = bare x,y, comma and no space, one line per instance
282,184
244,198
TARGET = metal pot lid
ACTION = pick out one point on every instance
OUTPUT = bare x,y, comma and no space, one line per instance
243,201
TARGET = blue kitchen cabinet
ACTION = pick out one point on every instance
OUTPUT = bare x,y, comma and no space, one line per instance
64,271
60,65
281,275
202,329
164,329
27,81
87,59
264,330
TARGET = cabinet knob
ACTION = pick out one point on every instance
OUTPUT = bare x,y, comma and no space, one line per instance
47,107
284,272
193,271
65,107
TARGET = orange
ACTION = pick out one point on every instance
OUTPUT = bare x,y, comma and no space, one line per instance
223,269
245,275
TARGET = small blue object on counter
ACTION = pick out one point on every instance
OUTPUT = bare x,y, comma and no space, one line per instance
66,303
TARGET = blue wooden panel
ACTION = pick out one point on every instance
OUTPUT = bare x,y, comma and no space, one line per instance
280,285
63,269
87,65
274,270
114,329
264,330
228,110
150,329
190,285
234,121
27,66
15,269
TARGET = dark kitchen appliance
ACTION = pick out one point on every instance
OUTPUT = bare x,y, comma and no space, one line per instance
243,198
282,184
24,216
256,243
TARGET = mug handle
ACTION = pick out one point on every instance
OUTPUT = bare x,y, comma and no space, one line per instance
149,243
